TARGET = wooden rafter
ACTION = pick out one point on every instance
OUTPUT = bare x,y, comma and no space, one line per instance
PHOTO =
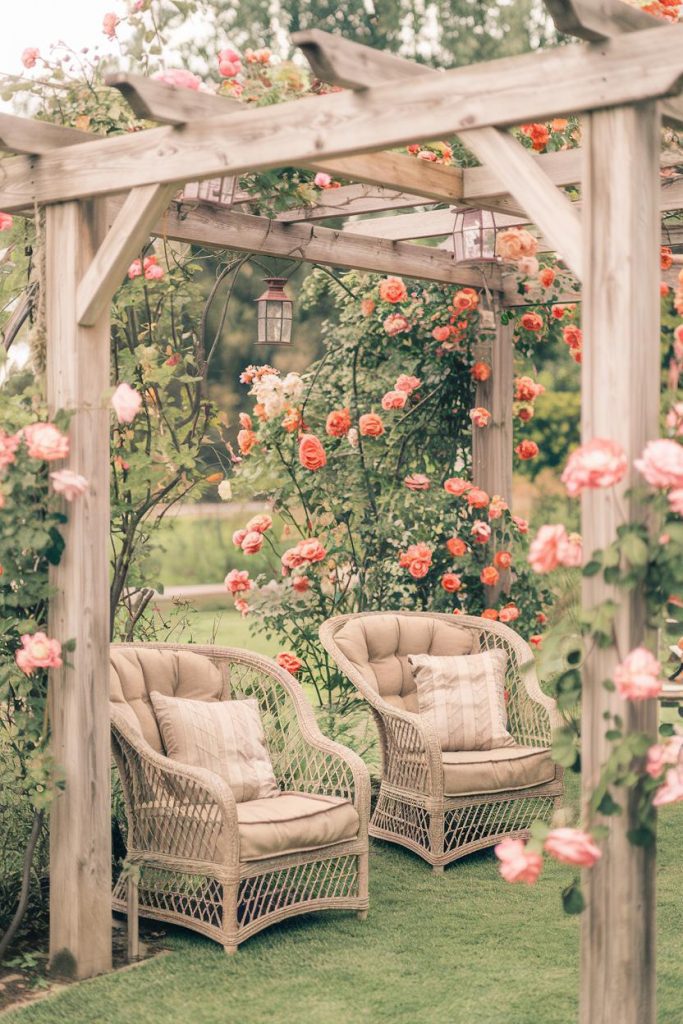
498,93
351,200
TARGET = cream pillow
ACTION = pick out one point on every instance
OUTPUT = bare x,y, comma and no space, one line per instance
463,696
224,736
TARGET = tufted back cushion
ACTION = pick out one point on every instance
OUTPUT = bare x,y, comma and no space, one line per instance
378,646
136,671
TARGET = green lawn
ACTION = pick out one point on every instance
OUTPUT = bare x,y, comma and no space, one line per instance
227,628
458,949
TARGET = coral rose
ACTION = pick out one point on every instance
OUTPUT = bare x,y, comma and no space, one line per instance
489,576
259,523
311,550
109,23
509,612
252,542
515,243
396,323
8,446
246,439
394,400
338,423
665,257
637,677
572,846
481,531
289,661
45,441
417,482
527,389
291,559
539,135
490,613
71,485
532,322
450,582
521,524
572,336
481,372
599,463
406,382
456,546
180,78
527,450
126,403
456,486
662,463
480,417
370,425
497,507
672,790
441,333
392,289
502,559
416,559
546,276
367,306
29,57
238,581
661,756
38,651
517,863
311,452
465,299
536,640
237,537
301,584
229,63
477,498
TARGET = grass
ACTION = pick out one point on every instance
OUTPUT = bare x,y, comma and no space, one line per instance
462,948
228,628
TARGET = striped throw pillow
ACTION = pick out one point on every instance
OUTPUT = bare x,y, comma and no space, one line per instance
226,737
463,696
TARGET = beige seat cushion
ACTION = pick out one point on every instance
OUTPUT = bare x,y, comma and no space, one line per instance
225,737
463,699
494,771
136,671
378,646
292,822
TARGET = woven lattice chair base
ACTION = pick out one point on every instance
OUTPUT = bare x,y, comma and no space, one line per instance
412,808
183,863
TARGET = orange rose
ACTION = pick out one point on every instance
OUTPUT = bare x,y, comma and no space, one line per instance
558,124
311,452
489,613
338,423
532,322
289,662
509,613
489,576
480,372
546,276
539,135
465,299
367,307
441,333
450,582
477,498
245,421
527,450
456,485
480,417
292,421
572,335
392,289
515,244
502,559
246,439
456,546
665,257
370,425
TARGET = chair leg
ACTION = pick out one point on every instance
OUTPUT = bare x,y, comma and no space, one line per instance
362,915
133,915
230,950
438,869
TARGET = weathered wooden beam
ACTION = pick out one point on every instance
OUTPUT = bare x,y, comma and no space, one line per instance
620,401
399,171
26,135
629,69
130,231
342,62
80,819
352,200
153,100
492,445
311,243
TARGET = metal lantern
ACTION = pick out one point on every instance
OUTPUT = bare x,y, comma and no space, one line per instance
474,235
274,310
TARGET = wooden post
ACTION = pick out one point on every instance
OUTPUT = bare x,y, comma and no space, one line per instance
620,401
492,445
80,830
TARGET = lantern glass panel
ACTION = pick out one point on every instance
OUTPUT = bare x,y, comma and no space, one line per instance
274,315
474,235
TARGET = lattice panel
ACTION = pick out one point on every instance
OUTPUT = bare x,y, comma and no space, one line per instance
403,819
274,891
479,823
527,720
196,897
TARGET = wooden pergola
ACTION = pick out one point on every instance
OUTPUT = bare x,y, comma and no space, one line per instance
104,197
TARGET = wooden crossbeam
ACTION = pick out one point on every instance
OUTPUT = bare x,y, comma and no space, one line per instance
24,135
131,228
351,200
630,69
311,243
346,63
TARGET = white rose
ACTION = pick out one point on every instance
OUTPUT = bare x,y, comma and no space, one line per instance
293,387
225,490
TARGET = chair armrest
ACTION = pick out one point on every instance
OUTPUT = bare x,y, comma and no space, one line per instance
537,715
410,749
173,808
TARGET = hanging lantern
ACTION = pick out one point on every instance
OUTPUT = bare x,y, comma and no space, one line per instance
274,309
213,191
474,235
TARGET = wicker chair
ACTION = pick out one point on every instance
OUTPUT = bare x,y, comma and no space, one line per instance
444,805
195,857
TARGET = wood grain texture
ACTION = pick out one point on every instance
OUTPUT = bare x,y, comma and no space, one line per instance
627,69
399,171
620,400
130,230
492,445
352,200
80,832
26,135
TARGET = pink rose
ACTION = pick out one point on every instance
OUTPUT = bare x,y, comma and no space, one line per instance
664,755
480,417
8,446
229,63
260,523
456,486
517,864
311,452
528,265
38,651
396,323
599,463
521,524
135,270
322,180
637,677
311,550
370,425
178,77
392,289
153,272
675,499
417,482
407,383
68,483
291,559
29,57
45,441
241,606
672,790
126,402
237,581
301,584
238,536
674,419
497,507
394,400
572,846
515,244
552,547
109,23
509,612
252,542
481,531
6,221
662,463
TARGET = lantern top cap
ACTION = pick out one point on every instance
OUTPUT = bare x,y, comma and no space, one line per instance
275,290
